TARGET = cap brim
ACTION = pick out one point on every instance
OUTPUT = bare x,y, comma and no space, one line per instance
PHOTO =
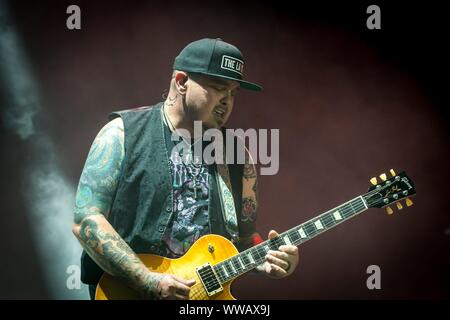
242,83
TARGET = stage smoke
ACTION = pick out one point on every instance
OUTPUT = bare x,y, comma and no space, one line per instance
49,197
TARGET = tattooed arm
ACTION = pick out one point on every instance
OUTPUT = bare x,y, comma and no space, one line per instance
279,263
97,186
249,199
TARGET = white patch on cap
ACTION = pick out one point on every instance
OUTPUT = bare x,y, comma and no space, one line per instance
232,64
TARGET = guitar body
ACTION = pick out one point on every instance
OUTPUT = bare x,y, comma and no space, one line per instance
209,248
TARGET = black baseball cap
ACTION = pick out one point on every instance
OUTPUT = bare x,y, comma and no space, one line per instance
214,57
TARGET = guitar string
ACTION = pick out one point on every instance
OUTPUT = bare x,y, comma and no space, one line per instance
198,293
257,250
261,248
324,216
346,208
261,251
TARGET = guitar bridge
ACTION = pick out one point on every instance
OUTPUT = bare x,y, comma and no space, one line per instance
209,279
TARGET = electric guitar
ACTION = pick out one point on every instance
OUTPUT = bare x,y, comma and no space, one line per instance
214,262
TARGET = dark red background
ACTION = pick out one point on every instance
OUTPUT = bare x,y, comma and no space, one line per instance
350,104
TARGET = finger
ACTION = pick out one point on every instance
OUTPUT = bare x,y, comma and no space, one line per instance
181,288
178,296
268,268
293,250
279,254
272,234
276,270
189,282
281,263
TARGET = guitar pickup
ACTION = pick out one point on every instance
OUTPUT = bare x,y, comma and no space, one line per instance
209,279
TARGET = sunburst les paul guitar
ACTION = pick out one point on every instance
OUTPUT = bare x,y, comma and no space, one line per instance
214,262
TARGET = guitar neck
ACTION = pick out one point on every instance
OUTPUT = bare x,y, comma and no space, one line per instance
251,258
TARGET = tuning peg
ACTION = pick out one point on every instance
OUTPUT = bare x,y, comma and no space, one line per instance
374,181
409,202
389,210
383,176
392,172
399,205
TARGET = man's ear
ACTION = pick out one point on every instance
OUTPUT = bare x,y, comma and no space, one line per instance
180,82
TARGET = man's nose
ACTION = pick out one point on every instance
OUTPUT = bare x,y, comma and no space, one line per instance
226,99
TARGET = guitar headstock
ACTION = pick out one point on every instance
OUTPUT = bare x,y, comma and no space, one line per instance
390,190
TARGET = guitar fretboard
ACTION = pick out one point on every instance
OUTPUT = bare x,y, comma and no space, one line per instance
251,258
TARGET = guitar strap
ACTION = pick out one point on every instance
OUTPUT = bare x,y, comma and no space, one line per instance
226,194
227,201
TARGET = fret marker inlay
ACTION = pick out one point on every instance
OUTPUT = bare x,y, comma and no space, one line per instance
302,233
225,271
240,261
337,215
287,240
318,225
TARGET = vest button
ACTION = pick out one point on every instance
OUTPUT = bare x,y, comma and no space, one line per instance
161,229
168,209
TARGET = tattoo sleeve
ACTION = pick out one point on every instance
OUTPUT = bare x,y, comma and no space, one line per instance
249,171
249,198
114,256
101,172
249,189
96,189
